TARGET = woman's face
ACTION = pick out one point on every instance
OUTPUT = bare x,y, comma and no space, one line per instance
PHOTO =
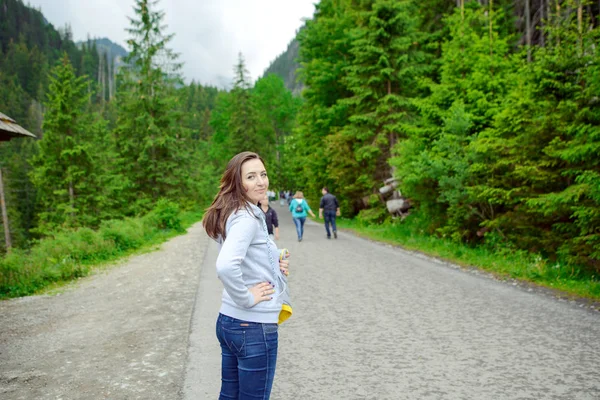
255,180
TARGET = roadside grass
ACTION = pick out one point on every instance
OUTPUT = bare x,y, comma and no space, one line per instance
68,255
504,263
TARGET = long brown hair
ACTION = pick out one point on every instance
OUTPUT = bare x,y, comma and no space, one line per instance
231,196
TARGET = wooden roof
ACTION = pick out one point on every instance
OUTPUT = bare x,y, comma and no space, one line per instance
10,129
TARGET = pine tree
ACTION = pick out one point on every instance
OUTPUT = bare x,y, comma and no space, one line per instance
149,139
324,55
277,112
542,152
388,60
63,169
435,163
244,121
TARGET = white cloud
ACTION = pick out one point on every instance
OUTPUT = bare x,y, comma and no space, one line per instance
209,34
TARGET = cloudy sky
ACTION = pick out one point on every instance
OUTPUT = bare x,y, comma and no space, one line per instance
209,34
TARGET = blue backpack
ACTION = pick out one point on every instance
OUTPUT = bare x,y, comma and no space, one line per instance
299,208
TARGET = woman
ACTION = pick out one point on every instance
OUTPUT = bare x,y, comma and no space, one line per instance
254,283
299,208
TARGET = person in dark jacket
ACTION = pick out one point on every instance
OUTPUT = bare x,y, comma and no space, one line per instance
329,207
271,218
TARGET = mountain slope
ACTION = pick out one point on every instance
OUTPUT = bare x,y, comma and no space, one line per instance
286,66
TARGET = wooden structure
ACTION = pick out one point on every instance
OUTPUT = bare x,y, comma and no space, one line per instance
9,129
397,205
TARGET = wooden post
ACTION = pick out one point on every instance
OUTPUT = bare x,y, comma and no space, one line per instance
4,215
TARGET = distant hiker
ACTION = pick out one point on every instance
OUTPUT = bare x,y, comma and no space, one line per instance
270,218
330,208
282,199
299,208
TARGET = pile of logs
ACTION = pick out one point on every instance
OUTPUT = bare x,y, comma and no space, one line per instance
397,205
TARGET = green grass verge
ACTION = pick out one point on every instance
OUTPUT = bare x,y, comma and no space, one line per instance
503,263
69,255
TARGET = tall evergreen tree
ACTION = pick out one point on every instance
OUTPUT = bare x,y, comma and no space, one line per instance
236,120
324,55
434,164
151,143
277,112
244,121
538,162
388,60
63,169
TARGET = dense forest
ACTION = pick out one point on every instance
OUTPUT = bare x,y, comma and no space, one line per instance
485,112
118,132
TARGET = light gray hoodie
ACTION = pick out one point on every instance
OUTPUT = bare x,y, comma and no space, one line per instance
247,257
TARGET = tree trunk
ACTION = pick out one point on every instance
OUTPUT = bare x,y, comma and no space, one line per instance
548,18
99,69
109,76
557,20
491,8
580,24
528,28
542,25
4,215
72,202
103,78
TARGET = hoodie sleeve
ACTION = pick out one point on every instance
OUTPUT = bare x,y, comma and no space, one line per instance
239,236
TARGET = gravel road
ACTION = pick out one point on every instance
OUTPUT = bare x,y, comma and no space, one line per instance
370,322
120,334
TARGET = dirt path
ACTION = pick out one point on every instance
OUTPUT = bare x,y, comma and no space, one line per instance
370,322
376,322
120,334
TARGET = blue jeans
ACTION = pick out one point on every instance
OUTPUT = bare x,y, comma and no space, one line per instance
300,226
248,358
329,219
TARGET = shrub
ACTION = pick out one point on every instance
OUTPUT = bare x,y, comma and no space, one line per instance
125,234
165,215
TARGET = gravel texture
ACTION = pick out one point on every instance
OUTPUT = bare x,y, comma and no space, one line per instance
370,321
119,334
373,321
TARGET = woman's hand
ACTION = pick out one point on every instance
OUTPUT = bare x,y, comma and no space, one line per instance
262,292
284,267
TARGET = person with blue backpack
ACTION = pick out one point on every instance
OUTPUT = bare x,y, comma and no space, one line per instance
300,209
